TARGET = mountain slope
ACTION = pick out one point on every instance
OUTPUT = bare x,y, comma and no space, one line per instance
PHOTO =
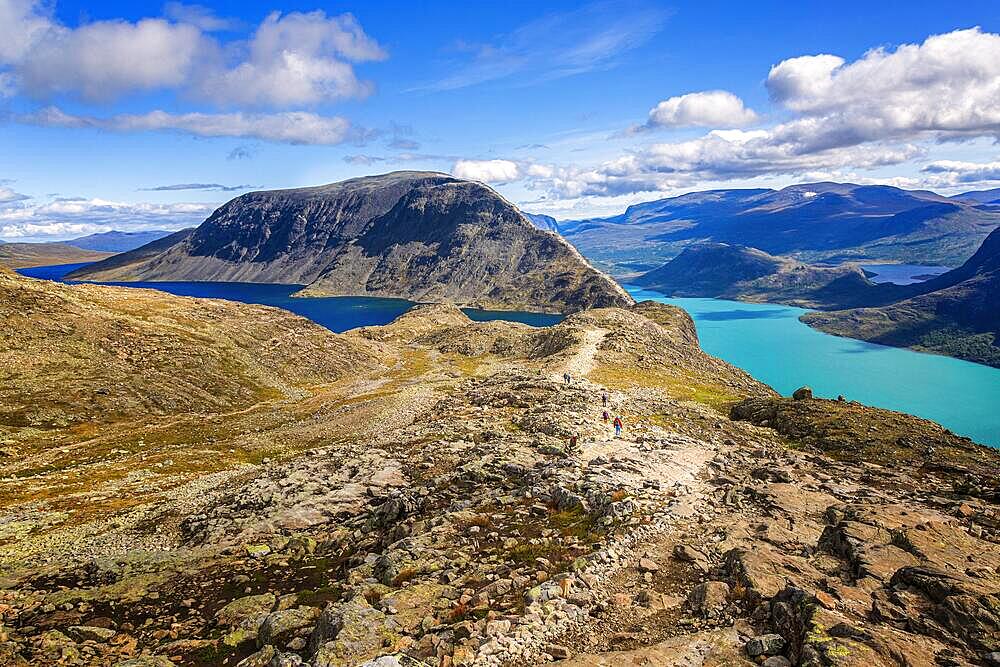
956,313
115,241
415,235
816,221
24,255
86,353
725,271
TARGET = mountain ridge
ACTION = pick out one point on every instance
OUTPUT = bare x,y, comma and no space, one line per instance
810,222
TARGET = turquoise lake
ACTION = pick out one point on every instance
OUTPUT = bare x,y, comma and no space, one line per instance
770,343
767,341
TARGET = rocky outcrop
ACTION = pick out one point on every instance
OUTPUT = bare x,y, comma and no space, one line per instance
415,235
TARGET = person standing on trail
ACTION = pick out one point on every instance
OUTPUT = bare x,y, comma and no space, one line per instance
605,416
566,378
618,427
604,399
572,443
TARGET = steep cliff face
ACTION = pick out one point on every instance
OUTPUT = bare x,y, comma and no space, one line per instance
415,235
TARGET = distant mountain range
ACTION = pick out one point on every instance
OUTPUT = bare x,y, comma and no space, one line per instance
981,196
828,222
115,241
417,235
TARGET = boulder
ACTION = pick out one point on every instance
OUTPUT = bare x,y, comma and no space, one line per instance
709,599
764,645
261,658
248,611
351,633
802,393
281,626
146,661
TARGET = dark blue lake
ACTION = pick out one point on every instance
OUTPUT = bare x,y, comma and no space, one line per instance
902,274
337,313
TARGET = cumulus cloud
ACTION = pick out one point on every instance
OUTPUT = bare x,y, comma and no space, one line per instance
488,171
296,59
291,60
887,108
66,218
290,127
102,60
8,196
955,172
712,108
948,85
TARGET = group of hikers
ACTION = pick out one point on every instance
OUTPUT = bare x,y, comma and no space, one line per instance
605,415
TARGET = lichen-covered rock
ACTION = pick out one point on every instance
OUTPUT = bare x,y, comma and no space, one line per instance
280,626
350,633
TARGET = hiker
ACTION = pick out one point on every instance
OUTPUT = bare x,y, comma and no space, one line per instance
572,443
618,427
566,378
605,416
569,378
604,399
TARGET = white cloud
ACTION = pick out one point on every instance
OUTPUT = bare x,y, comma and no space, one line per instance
291,60
67,218
103,60
487,171
22,23
296,59
884,109
712,108
948,85
955,172
291,127
8,196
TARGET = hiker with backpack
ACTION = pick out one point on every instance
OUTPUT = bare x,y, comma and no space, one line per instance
618,427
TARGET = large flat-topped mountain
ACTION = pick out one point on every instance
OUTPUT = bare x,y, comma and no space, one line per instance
417,235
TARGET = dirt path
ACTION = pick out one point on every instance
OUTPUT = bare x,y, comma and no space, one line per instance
582,361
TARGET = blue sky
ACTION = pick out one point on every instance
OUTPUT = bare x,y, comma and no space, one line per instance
148,115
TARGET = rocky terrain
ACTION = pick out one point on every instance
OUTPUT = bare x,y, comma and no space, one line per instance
723,271
811,222
25,255
956,313
434,492
416,235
